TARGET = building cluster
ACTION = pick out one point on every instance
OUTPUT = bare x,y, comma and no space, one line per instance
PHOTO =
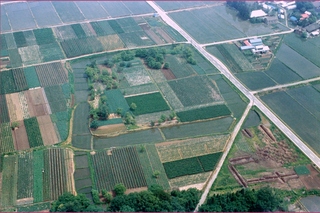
255,45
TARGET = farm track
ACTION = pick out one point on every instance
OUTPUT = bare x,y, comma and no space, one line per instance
253,101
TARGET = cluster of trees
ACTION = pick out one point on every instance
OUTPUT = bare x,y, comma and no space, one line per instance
154,57
242,7
301,8
245,200
155,199
163,118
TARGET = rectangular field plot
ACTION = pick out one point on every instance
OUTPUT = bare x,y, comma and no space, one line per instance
196,90
51,52
81,119
92,10
177,150
255,80
204,113
15,58
123,166
297,63
68,11
20,39
4,22
51,74
102,28
168,6
150,162
132,138
30,55
21,141
116,100
9,181
127,25
31,77
4,113
197,129
148,103
64,32
38,166
82,141
172,98
139,7
57,173
136,75
292,113
56,98
48,133
10,42
115,8
179,66
280,73
136,39
25,175
44,13
7,82
30,38
14,107
44,36
20,16
37,102
77,47
33,132
6,140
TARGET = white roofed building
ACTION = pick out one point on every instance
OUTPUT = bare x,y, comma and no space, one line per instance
257,14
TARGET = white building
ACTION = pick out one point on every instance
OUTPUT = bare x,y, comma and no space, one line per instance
257,14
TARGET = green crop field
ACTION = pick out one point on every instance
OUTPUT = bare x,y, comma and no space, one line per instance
292,113
208,162
44,36
172,98
61,121
198,129
6,140
9,181
297,62
38,167
253,119
15,58
81,121
128,25
102,28
20,39
255,80
56,98
77,47
51,52
81,141
136,39
195,90
301,170
148,103
51,74
179,66
135,90
4,113
116,26
25,175
31,77
8,84
204,113
280,73
132,138
116,100
20,79
136,75
33,132
123,166
78,30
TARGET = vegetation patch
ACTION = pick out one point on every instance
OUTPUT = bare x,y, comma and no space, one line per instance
204,113
148,103
31,77
301,170
33,131
44,36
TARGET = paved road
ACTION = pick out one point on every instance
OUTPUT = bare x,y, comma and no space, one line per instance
255,101
286,85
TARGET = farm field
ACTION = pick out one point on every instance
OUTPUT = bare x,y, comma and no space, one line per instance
296,113
256,80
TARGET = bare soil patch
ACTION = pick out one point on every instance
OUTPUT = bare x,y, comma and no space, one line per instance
37,103
164,35
14,107
20,137
48,133
154,37
128,191
168,74
110,129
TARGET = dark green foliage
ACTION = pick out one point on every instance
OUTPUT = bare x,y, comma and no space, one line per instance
78,30
245,200
95,196
119,189
33,131
31,77
81,46
7,83
204,113
242,7
182,167
115,100
148,103
115,26
70,203
44,36
208,162
105,78
56,98
4,113
20,79
94,124
20,39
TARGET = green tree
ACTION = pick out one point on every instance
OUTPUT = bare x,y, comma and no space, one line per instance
106,195
119,189
156,173
95,196
126,208
119,111
94,124
133,106
15,125
142,148
166,65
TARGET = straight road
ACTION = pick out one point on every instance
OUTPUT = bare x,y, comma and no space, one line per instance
255,101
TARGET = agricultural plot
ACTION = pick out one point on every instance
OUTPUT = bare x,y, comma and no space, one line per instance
92,10
77,47
30,55
5,26
103,28
33,132
139,7
30,38
297,63
19,79
179,67
14,107
82,175
135,90
68,11
51,52
25,175
8,84
253,119
172,98
82,141
136,39
81,119
15,58
51,74
148,103
20,39
311,203
280,73
44,14
255,80
125,25
56,98
57,174
116,100
6,140
37,102
132,138
123,166
4,114
115,8
136,75
38,167
64,32
111,42
20,137
188,90
20,16
47,129
35,207
9,181
177,150
44,36
294,115
190,166
10,42
198,129
204,113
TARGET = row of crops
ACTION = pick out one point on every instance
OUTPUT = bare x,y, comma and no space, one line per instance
123,166
191,166
82,175
32,177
